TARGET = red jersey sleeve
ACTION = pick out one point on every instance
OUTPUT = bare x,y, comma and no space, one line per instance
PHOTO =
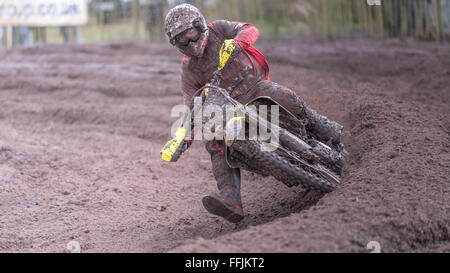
245,34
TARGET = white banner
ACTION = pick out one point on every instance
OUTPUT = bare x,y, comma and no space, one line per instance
43,12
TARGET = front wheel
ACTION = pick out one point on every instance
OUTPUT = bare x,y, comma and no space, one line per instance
280,168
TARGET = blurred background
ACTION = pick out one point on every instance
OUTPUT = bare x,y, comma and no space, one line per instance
142,20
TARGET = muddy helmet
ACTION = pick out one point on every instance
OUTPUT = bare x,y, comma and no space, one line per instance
181,18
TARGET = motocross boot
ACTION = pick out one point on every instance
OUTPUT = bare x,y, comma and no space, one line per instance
325,129
227,203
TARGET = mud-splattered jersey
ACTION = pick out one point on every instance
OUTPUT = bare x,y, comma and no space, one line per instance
249,67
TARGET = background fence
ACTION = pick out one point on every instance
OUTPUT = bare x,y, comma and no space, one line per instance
142,20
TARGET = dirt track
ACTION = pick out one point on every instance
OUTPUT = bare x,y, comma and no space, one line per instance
81,128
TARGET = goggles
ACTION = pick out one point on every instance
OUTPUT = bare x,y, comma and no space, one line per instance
183,39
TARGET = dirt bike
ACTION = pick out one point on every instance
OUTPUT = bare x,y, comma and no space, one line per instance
298,158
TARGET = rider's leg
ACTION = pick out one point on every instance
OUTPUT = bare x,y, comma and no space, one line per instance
324,128
227,203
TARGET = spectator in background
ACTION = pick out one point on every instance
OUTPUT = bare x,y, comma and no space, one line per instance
65,32
22,35
155,19
39,35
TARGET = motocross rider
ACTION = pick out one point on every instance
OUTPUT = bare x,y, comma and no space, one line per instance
246,78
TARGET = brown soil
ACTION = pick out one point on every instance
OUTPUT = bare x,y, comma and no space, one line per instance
81,128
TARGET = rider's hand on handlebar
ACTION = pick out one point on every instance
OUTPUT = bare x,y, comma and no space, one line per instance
229,50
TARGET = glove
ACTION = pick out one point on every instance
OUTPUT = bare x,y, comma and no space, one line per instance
173,149
230,49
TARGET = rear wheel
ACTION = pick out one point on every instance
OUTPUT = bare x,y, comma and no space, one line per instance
280,168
